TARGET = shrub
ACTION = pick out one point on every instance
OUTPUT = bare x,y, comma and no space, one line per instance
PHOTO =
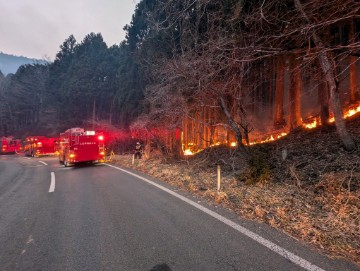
258,168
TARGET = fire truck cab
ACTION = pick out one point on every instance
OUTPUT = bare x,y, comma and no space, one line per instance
36,146
77,145
9,145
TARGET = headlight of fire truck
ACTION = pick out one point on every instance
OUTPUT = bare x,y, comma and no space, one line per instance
72,155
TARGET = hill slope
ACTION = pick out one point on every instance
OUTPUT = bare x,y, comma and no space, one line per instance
10,63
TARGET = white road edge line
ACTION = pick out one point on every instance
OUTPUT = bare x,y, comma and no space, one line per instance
52,184
43,163
261,240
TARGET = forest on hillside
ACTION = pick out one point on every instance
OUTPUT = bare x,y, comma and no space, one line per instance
194,73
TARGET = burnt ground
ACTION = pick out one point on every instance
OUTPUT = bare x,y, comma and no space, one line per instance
305,184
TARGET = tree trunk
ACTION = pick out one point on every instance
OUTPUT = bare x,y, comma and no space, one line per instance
329,72
147,149
233,124
93,114
193,130
294,95
354,94
279,120
206,127
215,129
185,133
202,127
211,126
323,100
111,111
197,130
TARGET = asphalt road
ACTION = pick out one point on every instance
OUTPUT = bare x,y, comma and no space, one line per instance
102,218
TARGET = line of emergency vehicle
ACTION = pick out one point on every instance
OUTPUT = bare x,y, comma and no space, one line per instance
9,145
77,145
36,146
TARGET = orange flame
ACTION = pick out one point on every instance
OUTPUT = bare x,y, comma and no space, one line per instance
188,152
352,111
269,138
314,122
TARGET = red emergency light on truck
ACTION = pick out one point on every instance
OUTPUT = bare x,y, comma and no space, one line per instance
9,145
36,146
77,145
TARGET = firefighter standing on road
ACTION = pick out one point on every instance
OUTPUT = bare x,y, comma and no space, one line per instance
138,150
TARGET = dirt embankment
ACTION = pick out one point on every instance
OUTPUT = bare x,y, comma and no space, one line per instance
305,184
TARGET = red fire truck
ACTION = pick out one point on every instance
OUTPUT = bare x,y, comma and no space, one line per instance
77,145
36,146
9,145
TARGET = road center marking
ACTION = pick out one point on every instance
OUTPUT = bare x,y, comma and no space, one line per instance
43,163
261,240
52,184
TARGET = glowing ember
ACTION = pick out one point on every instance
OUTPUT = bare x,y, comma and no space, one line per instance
215,144
188,152
233,144
312,124
281,135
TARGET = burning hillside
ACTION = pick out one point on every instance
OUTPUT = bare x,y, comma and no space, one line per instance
309,123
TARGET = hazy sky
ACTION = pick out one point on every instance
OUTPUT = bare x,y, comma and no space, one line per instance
37,28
